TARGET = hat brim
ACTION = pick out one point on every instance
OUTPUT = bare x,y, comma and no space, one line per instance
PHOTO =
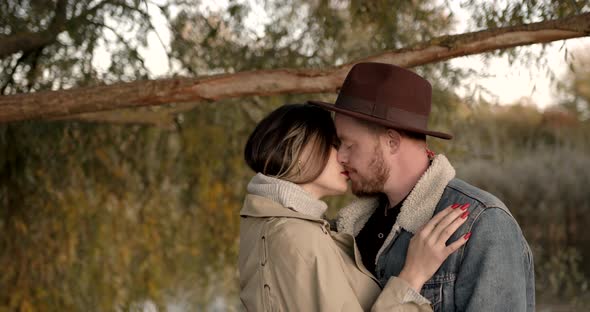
380,121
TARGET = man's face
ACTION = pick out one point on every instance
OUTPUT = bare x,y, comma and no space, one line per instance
361,154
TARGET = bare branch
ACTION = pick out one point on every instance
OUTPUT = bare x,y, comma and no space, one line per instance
279,81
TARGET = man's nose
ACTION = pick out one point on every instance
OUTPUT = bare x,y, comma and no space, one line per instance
342,158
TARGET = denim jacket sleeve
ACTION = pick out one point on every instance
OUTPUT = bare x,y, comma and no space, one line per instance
496,264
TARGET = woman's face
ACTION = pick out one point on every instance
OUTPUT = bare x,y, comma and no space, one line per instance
332,181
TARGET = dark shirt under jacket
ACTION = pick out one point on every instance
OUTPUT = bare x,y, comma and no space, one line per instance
373,235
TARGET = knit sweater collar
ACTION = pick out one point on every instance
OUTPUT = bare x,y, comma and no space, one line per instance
288,194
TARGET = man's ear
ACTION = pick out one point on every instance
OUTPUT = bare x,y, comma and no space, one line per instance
393,140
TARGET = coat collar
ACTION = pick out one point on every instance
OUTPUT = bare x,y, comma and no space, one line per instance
262,207
416,210
287,194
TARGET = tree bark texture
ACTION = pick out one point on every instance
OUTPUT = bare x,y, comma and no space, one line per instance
69,103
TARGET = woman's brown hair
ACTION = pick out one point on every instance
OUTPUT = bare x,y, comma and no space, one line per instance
292,143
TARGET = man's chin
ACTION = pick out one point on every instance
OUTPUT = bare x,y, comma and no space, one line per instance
365,194
360,192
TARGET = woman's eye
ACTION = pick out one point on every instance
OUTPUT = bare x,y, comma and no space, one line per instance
336,143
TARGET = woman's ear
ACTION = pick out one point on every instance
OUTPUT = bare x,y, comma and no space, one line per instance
393,140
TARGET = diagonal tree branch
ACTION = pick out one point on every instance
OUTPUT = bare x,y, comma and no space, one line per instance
279,81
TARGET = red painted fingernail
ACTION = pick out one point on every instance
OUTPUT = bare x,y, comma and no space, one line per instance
464,207
467,236
465,214
455,206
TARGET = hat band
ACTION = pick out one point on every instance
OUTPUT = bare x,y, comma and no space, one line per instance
395,115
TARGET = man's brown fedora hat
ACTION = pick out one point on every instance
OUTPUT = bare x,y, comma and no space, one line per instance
387,95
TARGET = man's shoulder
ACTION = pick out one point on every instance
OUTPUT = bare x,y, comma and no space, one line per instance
458,189
482,204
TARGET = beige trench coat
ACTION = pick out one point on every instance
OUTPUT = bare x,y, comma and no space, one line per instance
289,261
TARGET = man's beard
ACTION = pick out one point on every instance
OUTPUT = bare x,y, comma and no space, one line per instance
375,182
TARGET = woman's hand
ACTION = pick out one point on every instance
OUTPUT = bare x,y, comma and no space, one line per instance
428,248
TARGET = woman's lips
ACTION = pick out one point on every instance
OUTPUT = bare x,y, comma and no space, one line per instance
345,173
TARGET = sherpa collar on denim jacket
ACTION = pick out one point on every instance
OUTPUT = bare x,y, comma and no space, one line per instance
416,210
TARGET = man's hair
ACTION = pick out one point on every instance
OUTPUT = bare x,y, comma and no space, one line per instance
292,143
379,129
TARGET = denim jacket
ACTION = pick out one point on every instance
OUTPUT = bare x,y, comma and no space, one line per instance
493,271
